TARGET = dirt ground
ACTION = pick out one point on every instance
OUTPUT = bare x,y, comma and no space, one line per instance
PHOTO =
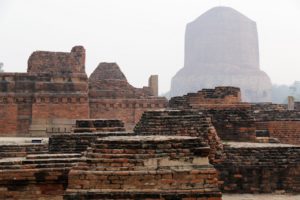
259,197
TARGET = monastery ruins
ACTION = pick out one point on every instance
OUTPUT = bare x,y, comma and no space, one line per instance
67,136
109,140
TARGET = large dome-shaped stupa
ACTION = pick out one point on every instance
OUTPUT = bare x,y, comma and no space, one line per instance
221,49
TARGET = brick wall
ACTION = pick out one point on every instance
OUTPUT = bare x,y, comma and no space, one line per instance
219,97
183,123
112,97
55,88
57,62
77,142
127,110
236,124
260,168
8,119
144,167
39,176
285,131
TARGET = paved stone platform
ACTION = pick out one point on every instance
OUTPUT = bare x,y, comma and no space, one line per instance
257,145
21,140
259,197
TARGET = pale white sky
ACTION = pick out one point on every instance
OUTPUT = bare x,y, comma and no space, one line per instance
143,36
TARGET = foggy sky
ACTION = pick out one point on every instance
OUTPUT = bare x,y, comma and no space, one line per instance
143,36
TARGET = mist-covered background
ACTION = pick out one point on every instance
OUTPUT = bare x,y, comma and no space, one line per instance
143,37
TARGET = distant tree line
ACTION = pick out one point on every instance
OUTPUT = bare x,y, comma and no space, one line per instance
281,92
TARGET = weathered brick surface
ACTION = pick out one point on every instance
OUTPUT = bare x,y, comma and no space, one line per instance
57,62
217,98
36,176
287,132
21,150
77,142
276,115
232,119
280,124
8,119
144,167
260,168
55,88
112,97
184,123
236,124
98,125
268,107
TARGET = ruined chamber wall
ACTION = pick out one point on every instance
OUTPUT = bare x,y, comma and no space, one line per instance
283,125
112,97
259,168
287,132
46,99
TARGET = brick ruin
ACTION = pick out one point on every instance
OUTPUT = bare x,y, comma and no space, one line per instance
202,144
172,154
56,90
46,98
112,97
241,121
217,98
182,123
251,162
144,167
115,165
98,125
259,168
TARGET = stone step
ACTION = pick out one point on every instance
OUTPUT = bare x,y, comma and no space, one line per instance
157,152
124,155
51,160
47,156
141,194
115,162
21,146
10,166
12,154
153,152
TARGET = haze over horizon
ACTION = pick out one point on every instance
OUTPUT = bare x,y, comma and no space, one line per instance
143,37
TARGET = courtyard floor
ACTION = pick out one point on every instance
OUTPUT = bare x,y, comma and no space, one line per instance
259,197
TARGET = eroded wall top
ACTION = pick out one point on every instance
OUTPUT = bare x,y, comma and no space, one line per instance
57,62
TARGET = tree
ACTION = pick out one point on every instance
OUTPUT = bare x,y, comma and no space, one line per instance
1,67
